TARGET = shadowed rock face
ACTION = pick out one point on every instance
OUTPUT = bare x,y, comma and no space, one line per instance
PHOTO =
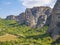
37,16
21,18
34,17
54,28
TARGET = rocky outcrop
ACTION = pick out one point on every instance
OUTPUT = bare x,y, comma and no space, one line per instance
21,18
54,28
11,17
34,17
37,16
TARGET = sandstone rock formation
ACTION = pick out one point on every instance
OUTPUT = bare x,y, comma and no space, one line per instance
54,28
34,17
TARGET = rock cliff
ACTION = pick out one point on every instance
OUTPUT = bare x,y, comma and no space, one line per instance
11,17
34,17
54,28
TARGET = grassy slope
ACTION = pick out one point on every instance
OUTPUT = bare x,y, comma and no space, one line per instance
17,34
7,37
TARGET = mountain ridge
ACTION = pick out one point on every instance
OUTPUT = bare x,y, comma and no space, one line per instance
33,17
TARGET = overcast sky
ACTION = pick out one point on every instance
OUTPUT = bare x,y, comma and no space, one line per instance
15,7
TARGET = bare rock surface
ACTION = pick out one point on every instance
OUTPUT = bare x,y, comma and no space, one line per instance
33,17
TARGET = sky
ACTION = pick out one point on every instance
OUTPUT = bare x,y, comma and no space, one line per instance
15,7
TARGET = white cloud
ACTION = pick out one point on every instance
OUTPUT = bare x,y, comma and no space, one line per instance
34,3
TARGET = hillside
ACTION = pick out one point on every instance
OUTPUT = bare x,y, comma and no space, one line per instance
11,33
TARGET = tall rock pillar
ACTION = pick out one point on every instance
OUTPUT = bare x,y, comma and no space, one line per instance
54,28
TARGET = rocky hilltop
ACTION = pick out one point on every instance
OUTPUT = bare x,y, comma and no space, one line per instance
34,17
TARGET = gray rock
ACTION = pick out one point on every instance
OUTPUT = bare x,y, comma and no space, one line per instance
11,17
54,28
33,17
21,18
37,16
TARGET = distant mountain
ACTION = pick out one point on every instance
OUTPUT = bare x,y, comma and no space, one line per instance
33,17
11,17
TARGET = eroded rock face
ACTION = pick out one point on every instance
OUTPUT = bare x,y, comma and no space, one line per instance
30,19
54,28
34,17
21,18
37,16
